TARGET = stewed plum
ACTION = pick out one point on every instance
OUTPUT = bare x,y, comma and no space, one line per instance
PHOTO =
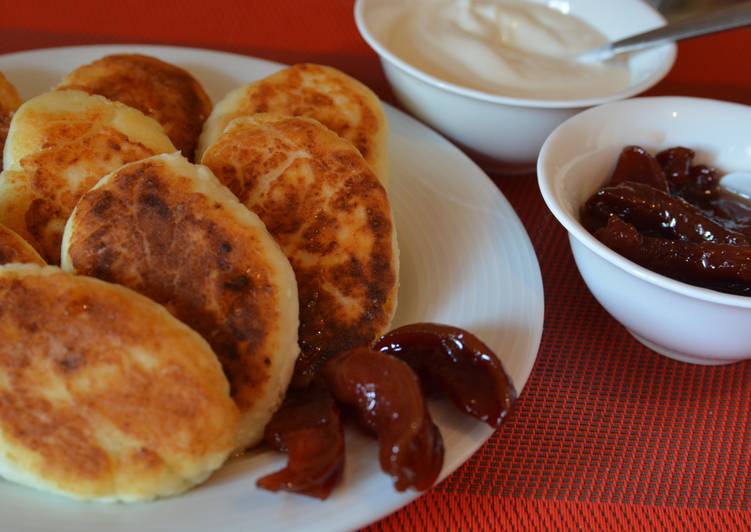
383,385
671,216
456,362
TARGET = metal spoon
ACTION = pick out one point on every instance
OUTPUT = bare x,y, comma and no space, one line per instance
737,182
718,20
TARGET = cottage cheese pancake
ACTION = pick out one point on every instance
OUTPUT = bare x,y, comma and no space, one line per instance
9,102
165,92
331,216
103,394
59,145
169,230
13,248
338,101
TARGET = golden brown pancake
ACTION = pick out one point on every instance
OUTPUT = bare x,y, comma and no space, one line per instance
163,91
103,394
9,102
59,145
338,101
169,230
13,248
331,216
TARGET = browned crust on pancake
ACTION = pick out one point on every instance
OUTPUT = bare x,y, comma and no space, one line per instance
48,198
13,248
146,230
163,91
9,102
324,94
67,372
307,207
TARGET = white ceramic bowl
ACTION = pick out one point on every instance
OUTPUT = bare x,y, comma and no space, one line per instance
506,133
680,321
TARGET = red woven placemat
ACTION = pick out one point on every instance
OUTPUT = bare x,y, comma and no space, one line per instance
439,511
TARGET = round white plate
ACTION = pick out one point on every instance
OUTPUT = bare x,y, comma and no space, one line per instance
465,260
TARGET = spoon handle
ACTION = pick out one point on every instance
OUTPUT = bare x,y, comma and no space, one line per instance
727,18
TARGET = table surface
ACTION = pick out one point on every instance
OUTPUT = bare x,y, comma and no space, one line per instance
607,433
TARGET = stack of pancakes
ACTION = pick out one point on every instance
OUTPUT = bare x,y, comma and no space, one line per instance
189,296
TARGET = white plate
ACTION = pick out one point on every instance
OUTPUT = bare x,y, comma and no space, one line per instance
465,260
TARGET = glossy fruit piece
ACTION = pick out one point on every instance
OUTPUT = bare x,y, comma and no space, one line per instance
725,267
386,396
635,164
676,165
308,427
656,213
456,362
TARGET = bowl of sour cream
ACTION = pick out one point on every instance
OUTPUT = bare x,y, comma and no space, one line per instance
498,76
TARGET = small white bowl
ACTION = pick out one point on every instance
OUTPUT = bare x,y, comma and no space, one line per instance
675,319
506,133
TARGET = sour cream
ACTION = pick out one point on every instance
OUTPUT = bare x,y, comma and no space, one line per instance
507,47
